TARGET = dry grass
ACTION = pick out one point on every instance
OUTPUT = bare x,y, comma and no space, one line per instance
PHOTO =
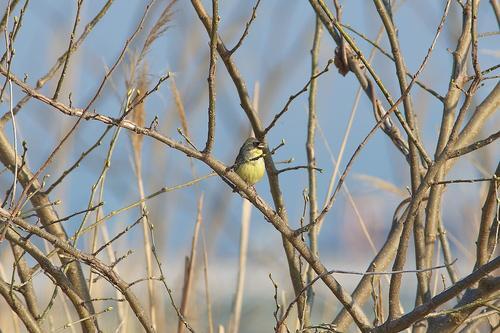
75,259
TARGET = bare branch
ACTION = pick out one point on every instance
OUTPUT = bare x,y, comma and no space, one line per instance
247,29
212,77
294,96
441,298
68,52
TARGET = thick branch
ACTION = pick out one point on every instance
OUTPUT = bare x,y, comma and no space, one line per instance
66,249
46,213
72,291
419,312
278,222
18,307
211,77
489,213
272,175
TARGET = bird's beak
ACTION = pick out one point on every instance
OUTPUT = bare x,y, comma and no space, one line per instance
261,145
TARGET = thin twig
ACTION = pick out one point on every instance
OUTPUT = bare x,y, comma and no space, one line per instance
121,233
77,162
212,78
281,144
43,80
474,42
207,289
458,181
475,146
247,28
138,114
221,169
275,312
298,167
145,95
70,251
190,266
163,279
246,213
311,163
419,312
8,81
329,21
294,96
336,271
147,197
179,130
68,52
68,325
100,180
73,128
388,55
100,204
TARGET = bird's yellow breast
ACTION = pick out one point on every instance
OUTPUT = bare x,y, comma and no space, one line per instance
253,170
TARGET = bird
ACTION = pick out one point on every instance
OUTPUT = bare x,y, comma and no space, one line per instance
249,163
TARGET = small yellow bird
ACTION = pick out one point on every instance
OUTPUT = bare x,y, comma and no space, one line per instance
249,164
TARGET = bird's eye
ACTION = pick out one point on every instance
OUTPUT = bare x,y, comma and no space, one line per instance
257,144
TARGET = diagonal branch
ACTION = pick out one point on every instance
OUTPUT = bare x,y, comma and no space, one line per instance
246,104
354,58
443,297
247,28
297,94
65,284
222,170
18,307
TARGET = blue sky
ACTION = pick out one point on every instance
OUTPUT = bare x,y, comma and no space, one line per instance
275,56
